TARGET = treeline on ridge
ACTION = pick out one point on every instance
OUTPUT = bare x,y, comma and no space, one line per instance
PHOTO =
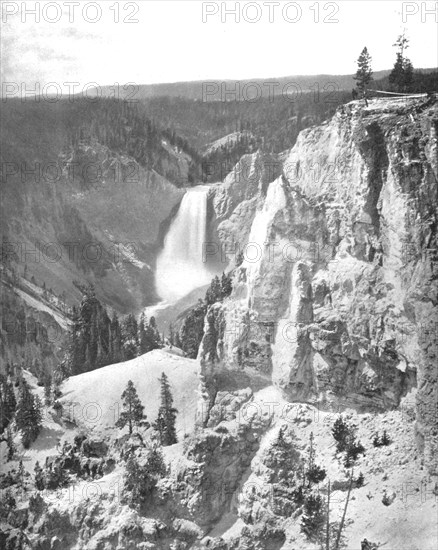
97,340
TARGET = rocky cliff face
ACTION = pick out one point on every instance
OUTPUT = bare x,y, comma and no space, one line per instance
336,298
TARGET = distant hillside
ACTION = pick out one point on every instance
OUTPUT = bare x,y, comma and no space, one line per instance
104,179
194,90
249,88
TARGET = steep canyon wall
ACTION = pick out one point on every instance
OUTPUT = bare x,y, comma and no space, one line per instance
335,298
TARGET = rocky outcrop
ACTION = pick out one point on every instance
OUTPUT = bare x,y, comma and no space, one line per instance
337,292
216,462
232,204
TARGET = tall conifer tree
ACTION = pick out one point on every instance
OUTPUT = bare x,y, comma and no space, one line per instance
165,423
132,413
28,417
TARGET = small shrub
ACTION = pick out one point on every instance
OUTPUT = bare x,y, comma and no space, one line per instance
39,477
360,480
342,433
11,445
316,474
57,407
77,442
37,504
55,477
9,500
221,429
354,449
57,522
382,441
298,495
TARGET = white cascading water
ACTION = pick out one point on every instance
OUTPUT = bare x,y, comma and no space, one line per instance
180,266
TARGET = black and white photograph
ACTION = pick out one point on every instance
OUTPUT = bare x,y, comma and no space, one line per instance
219,275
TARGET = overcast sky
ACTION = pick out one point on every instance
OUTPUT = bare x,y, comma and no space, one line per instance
188,40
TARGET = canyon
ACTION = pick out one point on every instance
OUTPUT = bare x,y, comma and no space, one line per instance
332,249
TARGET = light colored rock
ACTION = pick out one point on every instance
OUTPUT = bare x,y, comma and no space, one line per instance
336,296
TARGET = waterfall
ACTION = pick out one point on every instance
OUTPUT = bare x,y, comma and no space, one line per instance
180,266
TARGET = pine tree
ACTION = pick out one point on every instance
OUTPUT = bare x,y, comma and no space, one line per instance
92,357
155,333
381,441
311,457
353,450
214,293
7,403
3,421
18,377
132,413
314,473
192,330
77,348
92,342
313,515
150,338
131,346
172,339
408,80
39,477
364,72
11,445
10,400
9,369
28,417
103,337
385,439
116,342
21,474
360,480
402,74
48,390
136,485
226,285
56,476
281,441
155,462
142,335
341,432
165,423
57,393
396,76
87,328
9,502
140,480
